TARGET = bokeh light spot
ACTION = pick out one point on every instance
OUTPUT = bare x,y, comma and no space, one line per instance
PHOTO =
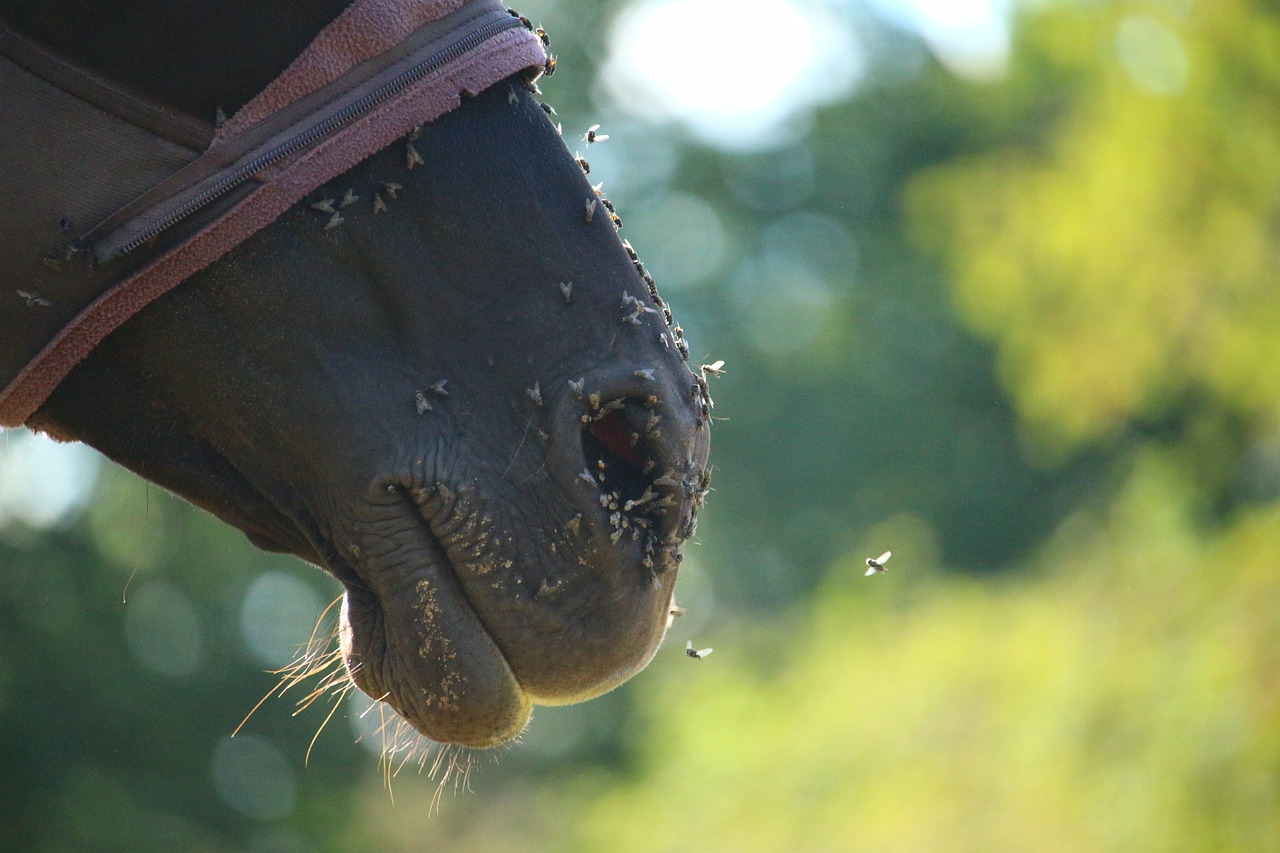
826,242
970,37
686,242
1151,55
277,616
162,630
782,303
253,777
41,480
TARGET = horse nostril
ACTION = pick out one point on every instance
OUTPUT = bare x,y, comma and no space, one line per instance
629,452
617,448
613,432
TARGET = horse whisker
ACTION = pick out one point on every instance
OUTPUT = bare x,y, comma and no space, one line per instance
319,657
320,660
337,703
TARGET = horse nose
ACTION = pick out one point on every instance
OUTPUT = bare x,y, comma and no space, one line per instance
630,448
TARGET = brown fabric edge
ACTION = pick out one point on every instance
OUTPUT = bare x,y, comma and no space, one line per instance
498,58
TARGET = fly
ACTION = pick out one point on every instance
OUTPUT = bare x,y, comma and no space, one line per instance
876,566
696,654
412,157
32,298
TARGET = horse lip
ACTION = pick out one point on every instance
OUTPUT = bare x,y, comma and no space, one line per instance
415,640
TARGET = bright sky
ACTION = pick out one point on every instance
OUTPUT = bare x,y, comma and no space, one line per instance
42,481
733,71
969,36
742,73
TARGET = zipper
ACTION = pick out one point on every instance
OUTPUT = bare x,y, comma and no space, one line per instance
104,250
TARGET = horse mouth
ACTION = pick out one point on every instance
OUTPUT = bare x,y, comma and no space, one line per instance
412,638
461,626
461,640
471,597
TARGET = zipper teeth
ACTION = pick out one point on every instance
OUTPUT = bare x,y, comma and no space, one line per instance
318,131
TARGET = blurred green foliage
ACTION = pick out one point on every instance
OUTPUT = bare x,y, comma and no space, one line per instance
1120,695
1023,331
1128,262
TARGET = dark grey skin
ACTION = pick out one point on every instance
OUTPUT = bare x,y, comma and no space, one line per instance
284,389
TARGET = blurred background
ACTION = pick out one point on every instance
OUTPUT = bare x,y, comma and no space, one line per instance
995,282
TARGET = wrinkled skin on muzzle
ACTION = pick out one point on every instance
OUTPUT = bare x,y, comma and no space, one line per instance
467,407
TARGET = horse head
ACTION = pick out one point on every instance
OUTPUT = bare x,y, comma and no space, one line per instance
443,378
